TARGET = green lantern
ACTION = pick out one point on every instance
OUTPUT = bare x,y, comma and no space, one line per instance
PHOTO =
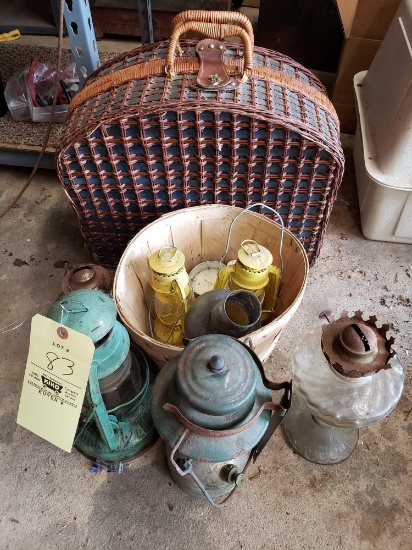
115,423
212,406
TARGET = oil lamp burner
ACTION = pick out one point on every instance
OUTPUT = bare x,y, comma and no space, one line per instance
86,276
172,294
346,377
253,271
212,406
115,423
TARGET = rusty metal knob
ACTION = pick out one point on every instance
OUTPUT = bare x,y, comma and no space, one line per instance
355,347
216,363
358,341
236,477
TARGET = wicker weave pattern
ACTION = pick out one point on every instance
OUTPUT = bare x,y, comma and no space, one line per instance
152,145
262,58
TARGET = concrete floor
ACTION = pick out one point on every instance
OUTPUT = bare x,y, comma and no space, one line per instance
50,500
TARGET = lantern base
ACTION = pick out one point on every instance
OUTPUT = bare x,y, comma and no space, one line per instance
315,441
143,434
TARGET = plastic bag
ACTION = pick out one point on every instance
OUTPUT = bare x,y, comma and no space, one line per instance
33,86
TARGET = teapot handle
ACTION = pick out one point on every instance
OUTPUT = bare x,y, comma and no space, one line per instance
205,432
187,469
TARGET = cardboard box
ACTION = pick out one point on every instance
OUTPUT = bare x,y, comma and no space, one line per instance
367,18
347,117
365,23
357,56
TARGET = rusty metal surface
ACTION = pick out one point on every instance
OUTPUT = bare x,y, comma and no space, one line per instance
356,347
212,71
221,433
209,314
87,276
204,479
209,399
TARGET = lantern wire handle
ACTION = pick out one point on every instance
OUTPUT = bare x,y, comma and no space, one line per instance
242,212
19,322
81,309
88,419
174,325
150,316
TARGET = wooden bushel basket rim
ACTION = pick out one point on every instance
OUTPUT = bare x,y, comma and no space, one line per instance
203,222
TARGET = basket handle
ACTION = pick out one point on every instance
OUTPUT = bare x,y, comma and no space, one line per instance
214,17
214,31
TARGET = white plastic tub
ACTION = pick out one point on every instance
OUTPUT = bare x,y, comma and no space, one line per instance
383,141
385,202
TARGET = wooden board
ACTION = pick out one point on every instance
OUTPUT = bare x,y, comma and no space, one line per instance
166,5
26,155
26,148
310,31
126,22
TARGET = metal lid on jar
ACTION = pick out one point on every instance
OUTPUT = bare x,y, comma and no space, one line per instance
90,312
167,260
254,256
216,381
86,276
355,347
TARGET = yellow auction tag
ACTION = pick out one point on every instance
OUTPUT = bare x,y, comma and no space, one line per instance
55,381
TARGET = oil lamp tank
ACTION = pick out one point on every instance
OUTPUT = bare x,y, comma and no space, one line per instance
212,406
345,377
115,423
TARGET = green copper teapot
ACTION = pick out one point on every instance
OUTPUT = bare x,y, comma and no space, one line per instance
212,406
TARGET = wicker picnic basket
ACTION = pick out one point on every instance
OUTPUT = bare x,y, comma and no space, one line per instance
179,124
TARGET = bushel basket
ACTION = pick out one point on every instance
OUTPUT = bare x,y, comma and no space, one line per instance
179,124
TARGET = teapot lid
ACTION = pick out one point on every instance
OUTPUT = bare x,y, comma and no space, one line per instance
216,377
